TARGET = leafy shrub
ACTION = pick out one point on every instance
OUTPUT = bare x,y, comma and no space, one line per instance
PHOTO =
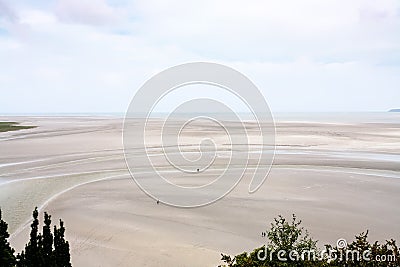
290,245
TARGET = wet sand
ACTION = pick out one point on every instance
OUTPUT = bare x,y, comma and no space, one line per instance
339,178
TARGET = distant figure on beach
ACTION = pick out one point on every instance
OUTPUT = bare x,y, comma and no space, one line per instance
158,201
198,170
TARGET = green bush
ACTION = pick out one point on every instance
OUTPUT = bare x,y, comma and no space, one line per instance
299,249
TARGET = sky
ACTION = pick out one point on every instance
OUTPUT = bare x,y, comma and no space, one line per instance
78,56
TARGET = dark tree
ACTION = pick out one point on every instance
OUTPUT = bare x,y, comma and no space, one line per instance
47,243
33,250
7,257
61,247
21,262
43,249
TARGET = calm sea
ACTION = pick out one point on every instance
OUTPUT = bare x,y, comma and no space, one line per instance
323,117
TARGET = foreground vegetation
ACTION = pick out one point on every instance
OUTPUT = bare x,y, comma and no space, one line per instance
44,249
289,245
6,126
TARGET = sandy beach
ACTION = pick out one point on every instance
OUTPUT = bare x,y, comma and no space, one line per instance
340,178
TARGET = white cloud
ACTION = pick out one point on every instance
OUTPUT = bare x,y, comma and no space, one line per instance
305,85
7,13
34,17
94,12
304,55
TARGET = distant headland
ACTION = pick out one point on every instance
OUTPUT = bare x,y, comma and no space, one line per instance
395,110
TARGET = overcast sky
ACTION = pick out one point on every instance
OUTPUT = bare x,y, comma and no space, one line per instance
92,55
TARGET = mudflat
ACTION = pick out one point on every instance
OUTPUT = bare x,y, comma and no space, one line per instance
340,178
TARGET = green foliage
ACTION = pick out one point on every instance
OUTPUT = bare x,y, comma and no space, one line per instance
387,254
48,255
7,257
290,237
33,253
39,252
6,126
61,247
